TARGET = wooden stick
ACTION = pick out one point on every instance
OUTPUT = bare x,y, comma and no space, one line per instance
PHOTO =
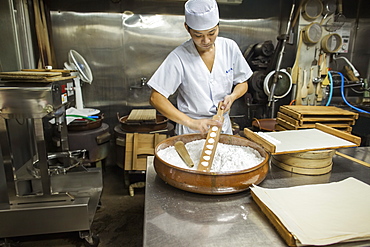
268,146
38,27
338,133
45,32
353,159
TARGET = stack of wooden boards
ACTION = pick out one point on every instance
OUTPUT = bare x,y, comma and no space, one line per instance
294,117
36,75
138,146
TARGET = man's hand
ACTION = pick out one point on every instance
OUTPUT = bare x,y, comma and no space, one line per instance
203,125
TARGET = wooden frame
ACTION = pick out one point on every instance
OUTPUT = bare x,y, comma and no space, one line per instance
271,147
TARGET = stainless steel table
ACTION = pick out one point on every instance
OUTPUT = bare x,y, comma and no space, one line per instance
175,217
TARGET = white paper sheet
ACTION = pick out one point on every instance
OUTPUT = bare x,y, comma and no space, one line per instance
322,214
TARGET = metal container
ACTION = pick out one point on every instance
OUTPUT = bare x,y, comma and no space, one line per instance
33,100
267,124
96,141
211,183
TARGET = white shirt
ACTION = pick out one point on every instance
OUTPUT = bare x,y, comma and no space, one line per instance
199,90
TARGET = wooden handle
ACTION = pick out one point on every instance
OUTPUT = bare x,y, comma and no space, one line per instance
209,148
299,86
304,90
220,113
338,133
310,86
340,7
295,68
183,152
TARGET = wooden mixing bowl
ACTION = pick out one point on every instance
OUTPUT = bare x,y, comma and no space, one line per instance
211,183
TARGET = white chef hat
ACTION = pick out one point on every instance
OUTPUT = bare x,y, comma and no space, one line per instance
201,14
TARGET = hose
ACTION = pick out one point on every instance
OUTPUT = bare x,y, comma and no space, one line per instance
341,92
344,98
79,116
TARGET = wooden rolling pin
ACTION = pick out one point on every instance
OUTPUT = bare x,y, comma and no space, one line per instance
209,148
183,152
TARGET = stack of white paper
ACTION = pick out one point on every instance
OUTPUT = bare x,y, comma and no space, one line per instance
322,214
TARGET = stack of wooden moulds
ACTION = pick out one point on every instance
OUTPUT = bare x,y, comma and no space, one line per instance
294,117
298,117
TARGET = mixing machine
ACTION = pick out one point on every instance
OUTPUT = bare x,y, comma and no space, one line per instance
43,189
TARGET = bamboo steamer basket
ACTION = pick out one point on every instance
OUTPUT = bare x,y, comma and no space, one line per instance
306,163
211,183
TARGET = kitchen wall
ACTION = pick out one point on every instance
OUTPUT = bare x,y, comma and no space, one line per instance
125,41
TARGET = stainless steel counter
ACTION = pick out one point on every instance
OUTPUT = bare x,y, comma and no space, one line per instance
178,218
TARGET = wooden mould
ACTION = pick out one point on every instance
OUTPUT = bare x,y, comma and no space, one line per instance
210,145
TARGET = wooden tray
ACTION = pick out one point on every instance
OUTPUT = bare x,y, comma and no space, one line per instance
29,74
35,76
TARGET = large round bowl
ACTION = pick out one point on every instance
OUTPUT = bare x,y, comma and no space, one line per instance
211,183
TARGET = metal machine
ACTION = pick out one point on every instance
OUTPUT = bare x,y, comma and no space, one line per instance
43,189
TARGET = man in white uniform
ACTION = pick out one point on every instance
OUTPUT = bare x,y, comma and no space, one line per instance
205,70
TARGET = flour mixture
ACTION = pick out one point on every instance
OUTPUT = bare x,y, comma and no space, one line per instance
227,157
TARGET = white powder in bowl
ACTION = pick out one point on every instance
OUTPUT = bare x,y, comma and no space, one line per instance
227,157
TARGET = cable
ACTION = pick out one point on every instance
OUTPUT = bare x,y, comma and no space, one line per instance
331,89
355,72
359,92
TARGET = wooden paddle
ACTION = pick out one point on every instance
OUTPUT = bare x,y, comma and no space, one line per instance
304,90
184,154
209,148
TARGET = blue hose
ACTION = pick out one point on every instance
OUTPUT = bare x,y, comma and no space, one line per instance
344,98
